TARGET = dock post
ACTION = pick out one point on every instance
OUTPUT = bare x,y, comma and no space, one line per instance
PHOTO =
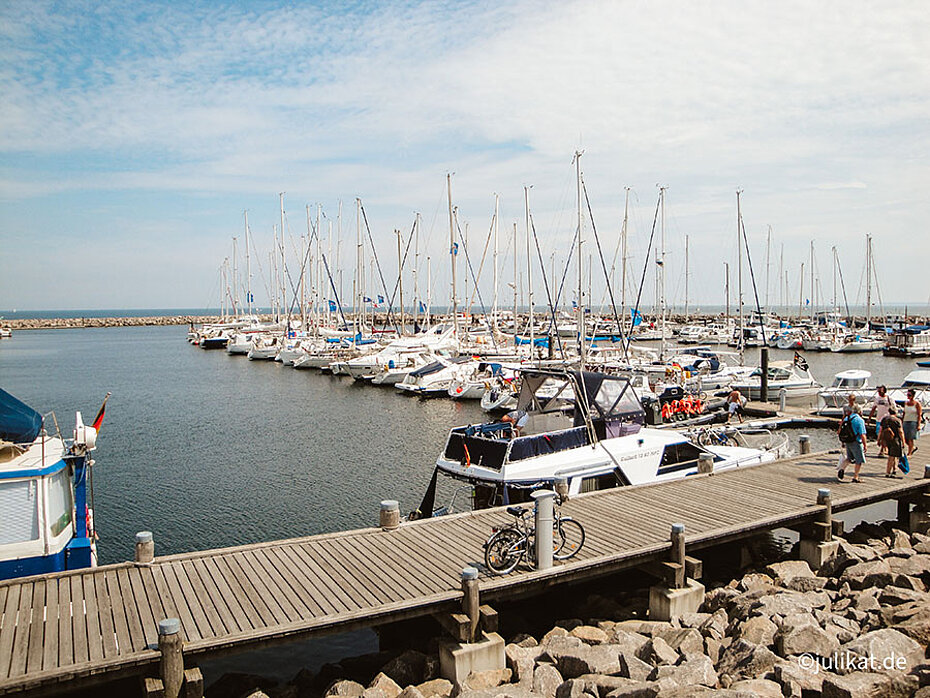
817,549
782,399
764,384
682,594
483,651
171,666
390,515
804,445
544,518
145,548
706,463
919,519
471,600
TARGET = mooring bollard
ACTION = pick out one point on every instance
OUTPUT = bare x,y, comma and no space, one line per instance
544,519
706,463
172,659
804,443
678,554
390,515
471,600
825,500
782,399
145,548
561,488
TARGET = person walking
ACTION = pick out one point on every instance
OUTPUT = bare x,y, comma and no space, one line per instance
735,405
913,416
881,403
852,435
892,436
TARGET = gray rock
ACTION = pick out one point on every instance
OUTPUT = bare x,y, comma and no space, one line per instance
900,539
746,660
559,644
546,680
587,659
410,692
603,686
863,684
843,629
693,620
657,651
716,625
373,693
717,599
481,680
632,667
754,581
521,660
713,648
894,596
345,688
589,635
697,670
883,651
913,566
685,641
867,601
627,641
386,684
638,689
572,688
645,627
760,688
907,582
784,603
505,691
524,640
759,630
555,632
780,572
805,584
796,679
846,555
805,639
408,668
442,688
868,574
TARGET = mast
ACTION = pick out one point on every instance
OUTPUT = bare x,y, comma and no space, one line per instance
581,331
623,255
494,309
801,294
782,288
813,287
400,278
235,275
416,270
274,261
515,287
303,275
661,271
868,282
726,288
248,265
452,252
768,267
739,272
529,263
686,277
429,291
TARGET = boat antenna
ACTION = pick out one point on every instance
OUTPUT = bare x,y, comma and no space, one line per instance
600,254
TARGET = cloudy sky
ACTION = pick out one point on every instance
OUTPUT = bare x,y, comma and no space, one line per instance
134,135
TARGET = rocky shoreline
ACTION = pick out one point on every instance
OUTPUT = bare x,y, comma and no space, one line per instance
78,322
859,627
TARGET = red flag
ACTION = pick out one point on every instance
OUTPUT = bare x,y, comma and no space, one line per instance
98,420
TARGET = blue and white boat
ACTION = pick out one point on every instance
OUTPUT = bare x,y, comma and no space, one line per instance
46,522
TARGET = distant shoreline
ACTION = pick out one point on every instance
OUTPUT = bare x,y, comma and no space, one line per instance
83,322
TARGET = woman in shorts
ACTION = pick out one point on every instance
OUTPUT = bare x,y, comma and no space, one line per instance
913,415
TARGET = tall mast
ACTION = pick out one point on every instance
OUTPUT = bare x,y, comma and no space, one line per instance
429,291
782,288
623,255
834,306
529,263
661,271
235,274
400,279
494,309
318,281
358,303
416,270
515,286
274,260
768,267
813,287
868,282
686,277
801,294
305,250
739,271
248,265
581,331
726,288
452,251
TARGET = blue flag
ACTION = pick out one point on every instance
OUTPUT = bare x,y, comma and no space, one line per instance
637,317
380,298
332,306
422,307
366,299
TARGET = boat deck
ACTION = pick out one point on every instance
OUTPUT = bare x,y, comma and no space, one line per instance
87,625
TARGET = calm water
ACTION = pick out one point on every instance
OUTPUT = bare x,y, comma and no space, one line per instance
209,450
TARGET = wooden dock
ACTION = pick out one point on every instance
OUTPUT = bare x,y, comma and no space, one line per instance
85,626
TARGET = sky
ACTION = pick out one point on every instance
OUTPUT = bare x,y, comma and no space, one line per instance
134,136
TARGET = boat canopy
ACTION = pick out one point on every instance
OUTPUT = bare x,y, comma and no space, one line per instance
596,395
19,423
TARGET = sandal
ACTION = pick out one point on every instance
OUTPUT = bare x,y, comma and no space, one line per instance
855,479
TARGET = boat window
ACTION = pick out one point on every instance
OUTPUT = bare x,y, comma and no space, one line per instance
599,482
19,513
59,502
679,456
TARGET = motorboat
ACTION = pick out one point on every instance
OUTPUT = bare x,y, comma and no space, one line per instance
265,347
909,341
45,484
917,380
853,382
593,442
438,338
794,377
434,378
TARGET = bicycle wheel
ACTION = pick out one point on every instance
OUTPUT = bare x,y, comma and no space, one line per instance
567,538
504,550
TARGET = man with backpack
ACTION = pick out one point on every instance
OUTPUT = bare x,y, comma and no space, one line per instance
852,435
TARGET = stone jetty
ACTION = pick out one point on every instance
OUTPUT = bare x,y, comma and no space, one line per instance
859,626
74,323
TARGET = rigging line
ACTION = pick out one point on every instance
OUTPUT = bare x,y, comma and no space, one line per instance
553,324
752,277
839,268
403,263
568,262
642,281
484,255
484,311
600,254
303,267
374,252
314,233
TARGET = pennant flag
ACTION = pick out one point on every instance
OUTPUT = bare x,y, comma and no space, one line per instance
800,362
422,307
98,420
455,248
332,306
637,317
380,298
366,299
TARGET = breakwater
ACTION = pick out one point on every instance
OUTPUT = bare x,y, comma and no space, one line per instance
81,322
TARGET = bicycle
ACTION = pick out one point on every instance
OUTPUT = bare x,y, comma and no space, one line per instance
507,545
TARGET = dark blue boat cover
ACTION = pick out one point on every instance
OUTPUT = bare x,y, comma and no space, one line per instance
19,423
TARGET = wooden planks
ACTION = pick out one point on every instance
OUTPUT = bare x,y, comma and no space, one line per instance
91,621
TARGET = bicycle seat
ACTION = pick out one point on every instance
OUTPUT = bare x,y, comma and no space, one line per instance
515,511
